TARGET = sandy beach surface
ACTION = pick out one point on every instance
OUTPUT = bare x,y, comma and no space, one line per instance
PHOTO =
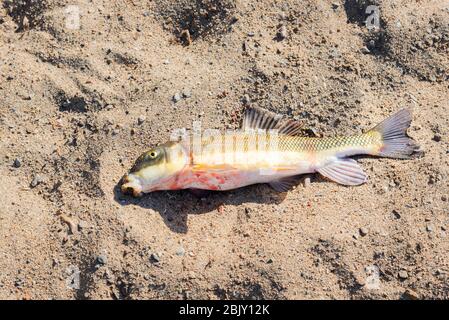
86,86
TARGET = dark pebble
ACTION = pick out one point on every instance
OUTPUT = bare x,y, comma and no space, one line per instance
17,163
436,138
396,215
155,257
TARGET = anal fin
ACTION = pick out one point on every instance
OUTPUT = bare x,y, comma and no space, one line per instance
344,171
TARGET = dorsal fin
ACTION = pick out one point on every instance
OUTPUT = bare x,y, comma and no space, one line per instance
260,119
290,128
257,118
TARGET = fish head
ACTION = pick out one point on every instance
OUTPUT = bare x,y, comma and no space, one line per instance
155,169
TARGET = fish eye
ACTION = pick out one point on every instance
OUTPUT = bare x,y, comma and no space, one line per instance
152,154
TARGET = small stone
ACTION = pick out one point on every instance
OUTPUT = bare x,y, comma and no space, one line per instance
363,231
312,132
270,260
436,138
166,61
102,259
154,257
282,33
306,182
245,99
429,228
177,97
365,50
250,34
186,93
335,5
180,252
141,119
82,225
36,181
410,295
443,198
17,163
403,274
396,215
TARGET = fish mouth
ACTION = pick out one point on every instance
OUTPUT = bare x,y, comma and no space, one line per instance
131,186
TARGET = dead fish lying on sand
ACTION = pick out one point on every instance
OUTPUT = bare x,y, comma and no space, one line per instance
265,150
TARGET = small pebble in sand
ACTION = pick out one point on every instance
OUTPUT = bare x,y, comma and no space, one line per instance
436,138
102,259
82,225
69,221
186,93
282,33
395,215
403,274
17,163
363,231
245,99
180,251
365,50
410,294
306,182
154,257
335,5
429,228
176,97
36,181
141,119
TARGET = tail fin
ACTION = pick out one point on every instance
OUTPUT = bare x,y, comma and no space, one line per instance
395,141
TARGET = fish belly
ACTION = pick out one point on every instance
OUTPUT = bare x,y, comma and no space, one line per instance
221,172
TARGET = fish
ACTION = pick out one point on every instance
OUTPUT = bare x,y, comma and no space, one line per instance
266,149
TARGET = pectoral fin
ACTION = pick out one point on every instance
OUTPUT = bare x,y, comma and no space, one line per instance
344,171
284,184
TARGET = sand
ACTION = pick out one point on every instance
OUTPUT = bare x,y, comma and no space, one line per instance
86,86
